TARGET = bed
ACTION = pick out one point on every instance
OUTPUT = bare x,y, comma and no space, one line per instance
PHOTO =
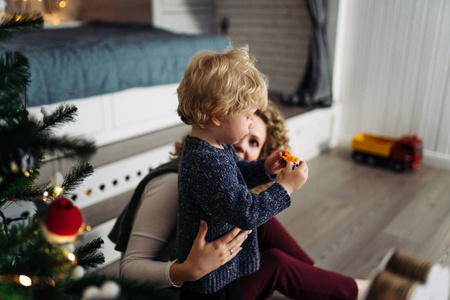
122,77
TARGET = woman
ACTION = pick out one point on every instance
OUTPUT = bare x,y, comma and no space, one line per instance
285,267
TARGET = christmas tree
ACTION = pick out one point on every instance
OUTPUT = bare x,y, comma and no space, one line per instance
38,256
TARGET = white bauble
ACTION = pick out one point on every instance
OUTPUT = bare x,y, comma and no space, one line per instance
58,179
110,290
78,272
91,292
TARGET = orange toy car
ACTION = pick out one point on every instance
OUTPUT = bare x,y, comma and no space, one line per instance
288,157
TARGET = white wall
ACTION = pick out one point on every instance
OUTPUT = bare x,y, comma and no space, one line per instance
392,71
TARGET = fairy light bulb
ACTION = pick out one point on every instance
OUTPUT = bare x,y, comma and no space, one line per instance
71,256
45,195
62,4
58,181
14,167
25,280
58,190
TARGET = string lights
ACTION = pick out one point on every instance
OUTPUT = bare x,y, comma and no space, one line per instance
58,181
25,280
54,11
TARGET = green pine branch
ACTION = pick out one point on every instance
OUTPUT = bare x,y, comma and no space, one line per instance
22,21
77,175
63,145
20,188
11,110
35,138
67,146
63,114
19,22
8,291
25,251
88,255
14,74
23,188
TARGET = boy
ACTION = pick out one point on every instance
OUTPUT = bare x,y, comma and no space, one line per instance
218,96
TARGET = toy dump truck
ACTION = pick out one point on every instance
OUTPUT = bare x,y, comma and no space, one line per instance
400,154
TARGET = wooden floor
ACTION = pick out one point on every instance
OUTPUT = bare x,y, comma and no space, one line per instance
347,216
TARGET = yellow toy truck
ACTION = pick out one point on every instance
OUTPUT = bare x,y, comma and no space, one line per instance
398,154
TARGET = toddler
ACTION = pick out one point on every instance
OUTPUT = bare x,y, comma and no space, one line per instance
218,96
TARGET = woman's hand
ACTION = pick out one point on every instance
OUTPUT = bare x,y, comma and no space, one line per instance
273,163
205,257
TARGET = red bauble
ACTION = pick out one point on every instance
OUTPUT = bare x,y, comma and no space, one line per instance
63,222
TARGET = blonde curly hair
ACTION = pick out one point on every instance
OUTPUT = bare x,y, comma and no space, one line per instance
276,133
222,85
276,139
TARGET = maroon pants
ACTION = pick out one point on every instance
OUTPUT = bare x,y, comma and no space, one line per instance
286,268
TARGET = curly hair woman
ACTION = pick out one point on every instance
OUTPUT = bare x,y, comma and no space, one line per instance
285,266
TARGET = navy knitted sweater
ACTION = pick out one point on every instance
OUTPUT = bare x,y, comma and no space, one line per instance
213,185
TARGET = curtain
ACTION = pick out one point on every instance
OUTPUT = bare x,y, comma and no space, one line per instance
315,89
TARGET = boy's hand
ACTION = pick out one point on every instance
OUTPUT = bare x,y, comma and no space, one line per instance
273,163
294,179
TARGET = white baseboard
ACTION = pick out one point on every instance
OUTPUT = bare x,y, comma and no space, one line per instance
119,177
436,159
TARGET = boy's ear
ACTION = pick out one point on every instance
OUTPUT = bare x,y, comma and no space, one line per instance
215,119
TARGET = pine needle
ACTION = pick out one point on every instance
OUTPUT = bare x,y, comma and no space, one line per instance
67,146
14,73
77,175
63,114
19,22
88,255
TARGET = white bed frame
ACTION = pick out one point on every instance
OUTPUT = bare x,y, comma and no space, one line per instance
117,116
